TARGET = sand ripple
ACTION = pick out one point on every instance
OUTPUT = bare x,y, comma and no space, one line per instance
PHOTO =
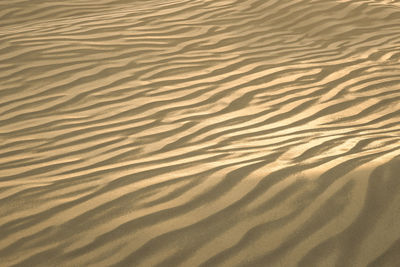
200,133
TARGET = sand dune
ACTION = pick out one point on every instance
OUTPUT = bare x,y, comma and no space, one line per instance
200,133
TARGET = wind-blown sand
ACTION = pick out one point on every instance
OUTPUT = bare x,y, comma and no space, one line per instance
200,133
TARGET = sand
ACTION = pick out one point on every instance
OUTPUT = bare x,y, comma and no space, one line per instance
200,133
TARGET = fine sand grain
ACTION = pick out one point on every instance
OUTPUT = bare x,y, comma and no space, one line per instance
200,133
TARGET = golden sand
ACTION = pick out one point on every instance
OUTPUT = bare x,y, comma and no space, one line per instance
200,133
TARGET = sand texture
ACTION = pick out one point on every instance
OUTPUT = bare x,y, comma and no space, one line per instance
200,133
